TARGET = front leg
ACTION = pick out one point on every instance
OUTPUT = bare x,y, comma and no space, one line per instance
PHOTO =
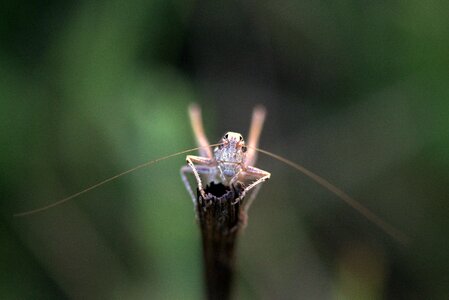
260,176
206,167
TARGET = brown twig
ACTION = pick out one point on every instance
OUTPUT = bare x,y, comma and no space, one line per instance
220,221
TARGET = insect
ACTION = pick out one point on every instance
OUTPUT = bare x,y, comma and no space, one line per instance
232,161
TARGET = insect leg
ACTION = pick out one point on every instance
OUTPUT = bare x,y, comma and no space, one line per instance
187,169
255,129
197,126
252,197
261,176
206,168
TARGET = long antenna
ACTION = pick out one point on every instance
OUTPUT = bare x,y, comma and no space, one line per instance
146,164
386,227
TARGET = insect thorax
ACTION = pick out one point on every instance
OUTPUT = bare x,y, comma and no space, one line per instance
229,159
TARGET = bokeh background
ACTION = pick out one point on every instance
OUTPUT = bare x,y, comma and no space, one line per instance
356,91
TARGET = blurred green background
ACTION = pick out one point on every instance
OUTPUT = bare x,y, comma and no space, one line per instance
357,91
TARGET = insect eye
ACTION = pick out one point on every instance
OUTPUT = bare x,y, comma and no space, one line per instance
244,149
226,136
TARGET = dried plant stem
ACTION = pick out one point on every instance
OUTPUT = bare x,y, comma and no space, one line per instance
220,221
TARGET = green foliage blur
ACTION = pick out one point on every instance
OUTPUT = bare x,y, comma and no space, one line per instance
356,91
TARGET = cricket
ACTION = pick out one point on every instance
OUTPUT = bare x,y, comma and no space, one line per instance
232,162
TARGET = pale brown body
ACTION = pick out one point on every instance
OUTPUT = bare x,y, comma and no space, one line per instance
230,162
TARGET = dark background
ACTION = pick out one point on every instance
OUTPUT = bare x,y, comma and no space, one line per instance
357,91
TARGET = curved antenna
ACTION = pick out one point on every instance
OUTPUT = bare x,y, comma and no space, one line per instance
146,164
386,227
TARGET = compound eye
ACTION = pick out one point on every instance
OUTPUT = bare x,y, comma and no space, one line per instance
244,149
226,136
